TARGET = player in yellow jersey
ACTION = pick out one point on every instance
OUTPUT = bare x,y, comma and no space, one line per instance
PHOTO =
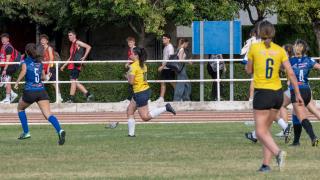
264,61
137,77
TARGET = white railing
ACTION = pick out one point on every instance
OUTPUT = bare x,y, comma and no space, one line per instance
201,80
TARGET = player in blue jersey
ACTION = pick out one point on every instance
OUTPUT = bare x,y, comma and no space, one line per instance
34,91
301,65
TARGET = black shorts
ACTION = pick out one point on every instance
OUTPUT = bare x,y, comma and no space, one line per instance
265,99
34,96
11,69
52,70
142,98
74,74
167,74
305,94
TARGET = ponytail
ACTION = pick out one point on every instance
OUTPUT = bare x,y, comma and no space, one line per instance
142,53
31,51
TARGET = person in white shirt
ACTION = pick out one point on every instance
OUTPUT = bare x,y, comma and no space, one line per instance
165,72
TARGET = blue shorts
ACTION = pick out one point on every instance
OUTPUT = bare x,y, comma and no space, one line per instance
142,98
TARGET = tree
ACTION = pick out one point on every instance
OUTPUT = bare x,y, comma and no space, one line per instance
301,12
263,8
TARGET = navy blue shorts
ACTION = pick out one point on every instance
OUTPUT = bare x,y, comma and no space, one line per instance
142,98
34,96
74,74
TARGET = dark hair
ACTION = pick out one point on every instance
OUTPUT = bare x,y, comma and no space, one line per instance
304,44
167,36
72,32
182,40
267,32
31,51
289,49
141,52
5,35
44,36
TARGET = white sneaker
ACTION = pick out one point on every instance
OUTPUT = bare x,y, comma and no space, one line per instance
59,99
159,100
280,134
5,101
13,97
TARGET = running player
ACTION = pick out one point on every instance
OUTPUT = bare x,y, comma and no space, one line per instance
34,91
137,77
78,52
48,56
264,61
8,54
301,65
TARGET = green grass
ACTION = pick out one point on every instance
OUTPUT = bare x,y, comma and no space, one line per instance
160,151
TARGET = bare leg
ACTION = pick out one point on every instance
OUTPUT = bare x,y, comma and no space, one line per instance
82,88
73,87
162,89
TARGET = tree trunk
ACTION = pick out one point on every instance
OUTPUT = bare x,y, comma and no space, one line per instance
316,29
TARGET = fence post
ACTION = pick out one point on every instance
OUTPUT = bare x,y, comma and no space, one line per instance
57,81
231,62
218,79
201,61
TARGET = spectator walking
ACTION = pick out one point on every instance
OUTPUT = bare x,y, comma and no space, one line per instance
165,72
78,52
49,69
131,44
8,54
182,91
213,71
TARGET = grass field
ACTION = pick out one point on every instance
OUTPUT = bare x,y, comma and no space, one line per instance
160,151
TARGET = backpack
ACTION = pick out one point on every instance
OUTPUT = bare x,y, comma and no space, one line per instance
175,66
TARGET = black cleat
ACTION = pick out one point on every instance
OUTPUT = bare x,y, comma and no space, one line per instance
169,108
249,136
295,144
62,137
315,142
264,169
131,136
287,134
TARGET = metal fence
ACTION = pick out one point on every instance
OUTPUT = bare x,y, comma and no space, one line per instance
201,80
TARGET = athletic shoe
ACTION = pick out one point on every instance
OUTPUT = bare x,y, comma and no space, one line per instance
264,169
13,97
280,134
159,100
169,108
131,136
5,101
281,159
315,142
69,101
287,134
112,125
90,98
59,99
249,136
62,136
24,136
295,144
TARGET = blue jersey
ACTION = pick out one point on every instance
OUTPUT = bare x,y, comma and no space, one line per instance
301,68
33,75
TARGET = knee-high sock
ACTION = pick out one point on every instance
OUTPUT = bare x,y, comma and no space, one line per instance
308,127
297,128
24,121
283,124
55,123
131,126
157,111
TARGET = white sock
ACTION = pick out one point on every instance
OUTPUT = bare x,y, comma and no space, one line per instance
157,111
8,96
254,134
12,92
282,123
131,126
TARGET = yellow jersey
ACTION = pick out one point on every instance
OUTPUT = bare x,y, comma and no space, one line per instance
140,77
266,65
